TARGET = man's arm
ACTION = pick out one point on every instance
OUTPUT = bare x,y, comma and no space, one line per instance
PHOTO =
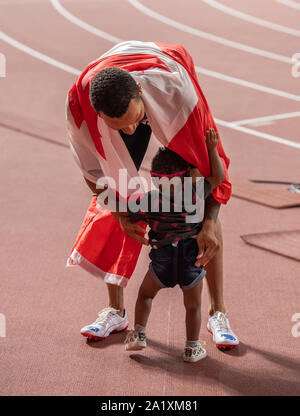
216,165
211,209
93,188
122,217
207,241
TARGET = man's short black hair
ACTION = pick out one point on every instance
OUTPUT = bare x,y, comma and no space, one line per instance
111,91
166,162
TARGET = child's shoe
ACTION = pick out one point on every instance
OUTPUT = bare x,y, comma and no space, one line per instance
135,340
193,354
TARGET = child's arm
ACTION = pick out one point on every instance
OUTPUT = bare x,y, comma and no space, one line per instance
216,165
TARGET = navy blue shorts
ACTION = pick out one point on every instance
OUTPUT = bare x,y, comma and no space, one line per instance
175,264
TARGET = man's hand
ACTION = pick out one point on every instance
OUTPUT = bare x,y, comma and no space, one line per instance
130,228
207,242
122,217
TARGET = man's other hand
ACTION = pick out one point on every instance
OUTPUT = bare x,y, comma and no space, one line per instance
208,244
131,228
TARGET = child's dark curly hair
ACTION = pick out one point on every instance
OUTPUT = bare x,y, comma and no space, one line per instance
166,162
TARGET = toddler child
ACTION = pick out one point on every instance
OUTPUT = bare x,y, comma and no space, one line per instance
172,237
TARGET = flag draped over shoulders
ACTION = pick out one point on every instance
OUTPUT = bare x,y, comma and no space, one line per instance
179,116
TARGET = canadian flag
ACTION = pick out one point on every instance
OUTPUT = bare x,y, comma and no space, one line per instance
179,116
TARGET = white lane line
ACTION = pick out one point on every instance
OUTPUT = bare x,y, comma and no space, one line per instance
252,19
247,84
290,3
89,28
200,70
209,36
77,72
267,118
259,134
38,55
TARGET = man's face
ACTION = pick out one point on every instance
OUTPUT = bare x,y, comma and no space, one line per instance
129,122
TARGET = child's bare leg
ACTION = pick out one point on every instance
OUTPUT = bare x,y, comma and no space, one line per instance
147,292
136,339
192,303
194,350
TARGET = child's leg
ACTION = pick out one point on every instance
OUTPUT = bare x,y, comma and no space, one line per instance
147,292
192,303
136,339
194,350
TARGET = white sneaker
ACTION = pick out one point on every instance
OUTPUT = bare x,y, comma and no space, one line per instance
108,321
218,325
135,341
193,354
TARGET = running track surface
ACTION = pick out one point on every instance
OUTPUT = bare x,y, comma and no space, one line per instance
245,72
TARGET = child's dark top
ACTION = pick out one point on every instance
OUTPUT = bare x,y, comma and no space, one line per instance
169,227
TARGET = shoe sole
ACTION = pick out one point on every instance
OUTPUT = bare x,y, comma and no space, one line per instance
193,360
95,338
223,346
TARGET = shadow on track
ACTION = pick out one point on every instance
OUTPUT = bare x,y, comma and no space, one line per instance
239,381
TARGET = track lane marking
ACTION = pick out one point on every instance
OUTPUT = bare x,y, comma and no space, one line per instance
252,19
42,57
18,45
208,36
84,25
64,12
290,3
256,133
282,116
247,84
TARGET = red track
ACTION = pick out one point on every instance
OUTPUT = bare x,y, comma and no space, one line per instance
44,198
